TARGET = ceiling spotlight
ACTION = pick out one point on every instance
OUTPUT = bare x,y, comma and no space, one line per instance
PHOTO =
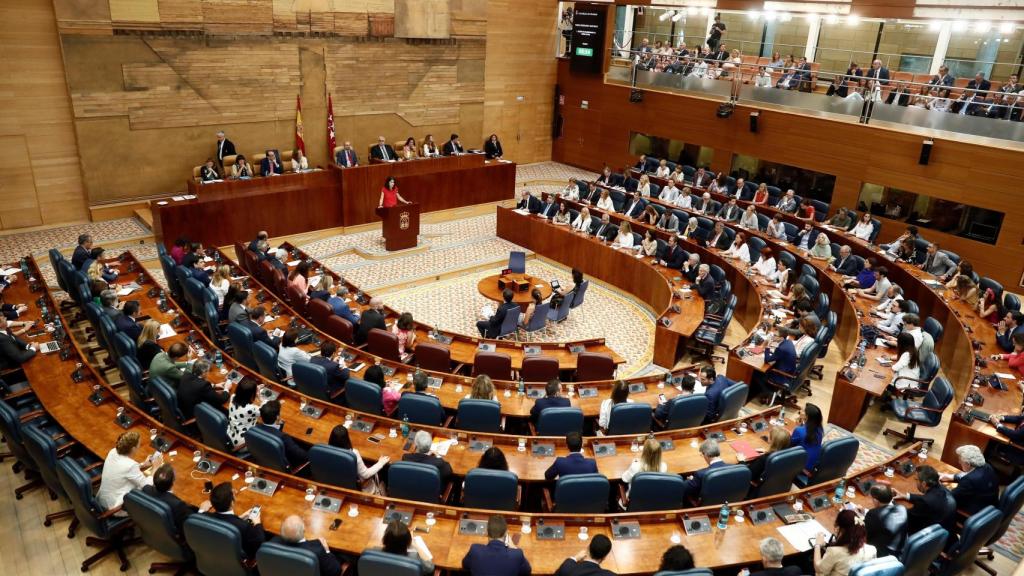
981,27
831,19
935,25
665,15
703,11
1006,28
853,19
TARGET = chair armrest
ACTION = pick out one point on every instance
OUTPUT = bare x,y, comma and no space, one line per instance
189,422
448,421
533,429
502,423
786,374
31,415
92,466
548,503
519,495
623,496
458,368
336,394
446,494
109,513
361,346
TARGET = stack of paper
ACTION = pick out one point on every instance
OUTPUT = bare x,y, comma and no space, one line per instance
802,534
165,332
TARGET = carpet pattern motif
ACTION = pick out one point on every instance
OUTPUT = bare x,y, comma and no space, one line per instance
14,246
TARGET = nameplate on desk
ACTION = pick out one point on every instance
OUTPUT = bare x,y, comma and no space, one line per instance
905,467
207,466
542,449
161,444
486,347
819,501
577,348
390,515
362,426
550,530
531,350
866,484
637,387
477,445
758,425
535,392
311,411
697,525
389,371
443,339
760,516
717,435
434,382
588,392
625,530
327,504
471,527
348,357
234,377
602,449
263,486
667,445
268,395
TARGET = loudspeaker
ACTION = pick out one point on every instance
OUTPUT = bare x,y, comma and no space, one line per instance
724,110
926,152
556,117
753,121
636,96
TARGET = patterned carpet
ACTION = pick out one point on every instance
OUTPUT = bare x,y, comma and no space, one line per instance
14,246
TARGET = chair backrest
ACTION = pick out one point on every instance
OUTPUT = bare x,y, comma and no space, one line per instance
581,494
193,294
939,396
384,344
414,481
477,415
339,328
296,299
539,319
167,264
276,558
364,396
510,323
211,320
629,418
656,491
216,544
921,549
579,293
1009,505
562,312
811,284
733,398
167,400
420,409
978,529
559,421
490,489
591,366
686,411
725,484
266,360
123,345
836,458
517,262
539,368
780,470
435,357
131,373
311,380
884,566
933,327
241,345
495,364
378,563
213,427
11,428
78,487
334,466
1011,302
43,451
266,449
318,311
155,521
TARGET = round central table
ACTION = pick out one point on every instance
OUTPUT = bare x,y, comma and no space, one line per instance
489,288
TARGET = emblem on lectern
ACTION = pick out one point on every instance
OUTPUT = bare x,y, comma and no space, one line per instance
403,221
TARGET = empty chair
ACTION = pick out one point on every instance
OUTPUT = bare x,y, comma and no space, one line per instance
241,345
593,366
491,490
978,529
517,262
217,546
266,361
414,481
12,429
656,491
378,563
43,451
539,368
434,357
1009,505
296,299
108,532
364,396
579,293
724,484
268,450
155,522
539,318
834,461
275,558
311,380
384,344
559,421
123,345
733,398
138,392
686,411
627,418
476,415
933,327
780,470
579,494
926,412
319,311
334,466
420,409
213,428
921,549
495,364
884,566
1011,302
167,399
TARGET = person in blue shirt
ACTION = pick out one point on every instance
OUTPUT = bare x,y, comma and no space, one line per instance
865,278
340,306
574,463
782,358
809,434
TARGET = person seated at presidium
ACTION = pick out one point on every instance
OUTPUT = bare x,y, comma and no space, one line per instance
430,149
389,196
271,165
453,147
492,148
383,151
299,161
346,157
241,168
208,172
409,149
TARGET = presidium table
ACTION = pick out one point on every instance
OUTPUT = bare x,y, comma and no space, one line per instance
223,212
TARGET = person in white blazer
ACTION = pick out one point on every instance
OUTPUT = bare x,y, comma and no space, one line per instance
739,249
122,474
582,221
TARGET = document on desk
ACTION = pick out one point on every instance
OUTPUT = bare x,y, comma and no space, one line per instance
801,534
1005,376
165,332
522,211
127,289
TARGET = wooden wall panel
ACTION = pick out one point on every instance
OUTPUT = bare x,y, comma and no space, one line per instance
422,19
961,171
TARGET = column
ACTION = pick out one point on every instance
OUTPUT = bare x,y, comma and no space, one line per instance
768,46
623,37
941,46
813,29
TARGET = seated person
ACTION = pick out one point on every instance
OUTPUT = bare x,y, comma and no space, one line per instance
886,523
270,421
332,363
574,463
400,542
293,535
588,562
13,350
271,165
550,400
422,453
772,554
709,450
254,323
809,434
222,500
127,322
849,547
289,353
84,251
241,168
346,157
491,327
672,256
977,486
170,365
194,388
383,151
207,172
368,482
499,557
933,505
162,489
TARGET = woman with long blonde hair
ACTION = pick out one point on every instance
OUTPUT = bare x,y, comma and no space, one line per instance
649,460
220,283
483,388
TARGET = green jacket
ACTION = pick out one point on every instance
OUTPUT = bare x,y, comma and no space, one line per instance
163,367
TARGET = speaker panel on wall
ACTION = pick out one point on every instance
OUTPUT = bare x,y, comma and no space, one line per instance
926,152
753,121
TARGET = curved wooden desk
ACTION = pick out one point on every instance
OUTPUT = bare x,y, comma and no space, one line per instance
492,288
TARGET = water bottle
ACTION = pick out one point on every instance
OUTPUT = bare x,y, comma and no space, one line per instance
405,426
723,517
522,386
840,491
782,415
218,360
45,313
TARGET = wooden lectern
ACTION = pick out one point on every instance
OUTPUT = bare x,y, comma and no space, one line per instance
401,226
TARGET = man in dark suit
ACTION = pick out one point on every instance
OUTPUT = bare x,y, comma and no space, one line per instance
195,388
270,421
222,500
453,146
588,562
900,96
886,523
336,298
161,489
13,350
977,486
549,208
801,76
271,165
491,327
634,206
705,284
995,107
499,557
574,463
255,326
943,78
712,455
422,454
224,148
1011,325
691,268
721,55
967,104
346,157
529,202
293,535
729,210
605,229
717,238
337,375
845,264
878,73
714,384
84,251
685,388
383,151
1011,86
257,243
127,323
934,505
550,400
373,317
108,302
979,83
278,258
672,256
805,238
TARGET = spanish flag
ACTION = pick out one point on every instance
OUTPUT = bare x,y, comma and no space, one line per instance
299,144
